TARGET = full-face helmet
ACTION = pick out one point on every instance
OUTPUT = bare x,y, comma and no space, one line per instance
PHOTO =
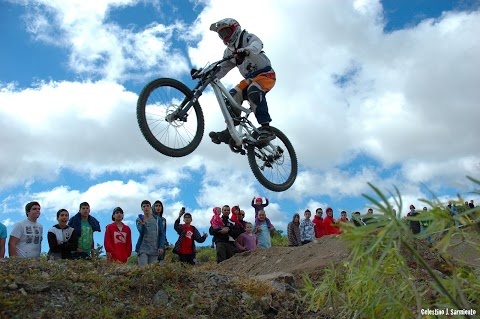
228,30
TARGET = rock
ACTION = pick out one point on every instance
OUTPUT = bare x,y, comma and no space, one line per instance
160,298
13,286
23,292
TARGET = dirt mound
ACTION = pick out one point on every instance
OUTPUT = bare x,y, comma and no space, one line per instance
311,258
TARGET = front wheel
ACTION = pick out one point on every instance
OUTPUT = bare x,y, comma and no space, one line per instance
157,105
275,165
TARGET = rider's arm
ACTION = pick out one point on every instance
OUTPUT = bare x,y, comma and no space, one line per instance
226,66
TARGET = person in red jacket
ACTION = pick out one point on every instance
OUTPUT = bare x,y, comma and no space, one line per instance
330,223
318,222
118,238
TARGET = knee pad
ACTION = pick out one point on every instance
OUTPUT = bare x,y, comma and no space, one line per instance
255,96
237,95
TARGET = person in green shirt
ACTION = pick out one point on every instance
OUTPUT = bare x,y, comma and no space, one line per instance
85,225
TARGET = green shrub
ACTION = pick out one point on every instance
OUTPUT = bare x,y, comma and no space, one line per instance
387,273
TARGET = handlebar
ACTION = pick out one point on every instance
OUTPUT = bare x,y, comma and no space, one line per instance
214,67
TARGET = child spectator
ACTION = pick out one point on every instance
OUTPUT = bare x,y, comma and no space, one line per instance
257,203
62,238
118,238
187,236
262,230
247,241
330,223
293,231
234,217
318,222
216,220
307,228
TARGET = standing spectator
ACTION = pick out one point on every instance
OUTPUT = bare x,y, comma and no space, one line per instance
3,239
307,228
330,223
26,236
318,222
187,236
357,219
241,217
151,242
414,224
247,241
158,211
264,233
471,204
454,213
369,218
293,231
225,237
62,238
257,204
343,217
84,225
118,238
424,223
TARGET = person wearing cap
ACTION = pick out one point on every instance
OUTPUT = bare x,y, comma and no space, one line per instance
62,239
118,238
187,236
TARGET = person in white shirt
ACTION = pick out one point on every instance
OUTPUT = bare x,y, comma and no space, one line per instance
26,237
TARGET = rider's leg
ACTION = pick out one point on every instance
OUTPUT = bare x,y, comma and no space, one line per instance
237,93
256,95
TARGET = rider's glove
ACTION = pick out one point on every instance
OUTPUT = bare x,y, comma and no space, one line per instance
194,72
242,52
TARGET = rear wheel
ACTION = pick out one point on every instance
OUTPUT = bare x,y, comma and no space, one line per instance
157,105
275,165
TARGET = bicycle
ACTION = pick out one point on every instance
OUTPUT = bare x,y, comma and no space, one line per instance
171,120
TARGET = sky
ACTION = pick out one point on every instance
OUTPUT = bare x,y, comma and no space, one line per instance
368,91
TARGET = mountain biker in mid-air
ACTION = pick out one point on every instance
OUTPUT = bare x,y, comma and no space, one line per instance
254,66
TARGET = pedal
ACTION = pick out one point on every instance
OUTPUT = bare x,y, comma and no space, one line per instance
236,149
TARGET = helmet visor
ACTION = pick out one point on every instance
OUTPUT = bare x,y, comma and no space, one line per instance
225,33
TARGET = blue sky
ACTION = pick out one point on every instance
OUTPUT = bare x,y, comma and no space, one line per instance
368,91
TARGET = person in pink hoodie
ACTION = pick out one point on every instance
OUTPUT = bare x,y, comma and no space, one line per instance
329,223
318,222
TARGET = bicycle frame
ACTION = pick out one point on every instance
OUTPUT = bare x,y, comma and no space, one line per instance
221,92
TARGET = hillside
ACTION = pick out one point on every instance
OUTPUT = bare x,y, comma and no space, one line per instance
261,284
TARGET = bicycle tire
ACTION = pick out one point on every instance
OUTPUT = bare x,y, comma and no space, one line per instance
159,98
283,165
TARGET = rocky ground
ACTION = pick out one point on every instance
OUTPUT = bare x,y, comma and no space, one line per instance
260,284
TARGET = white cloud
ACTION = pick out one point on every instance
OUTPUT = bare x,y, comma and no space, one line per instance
344,88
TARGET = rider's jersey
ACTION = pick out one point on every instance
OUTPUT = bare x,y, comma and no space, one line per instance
255,63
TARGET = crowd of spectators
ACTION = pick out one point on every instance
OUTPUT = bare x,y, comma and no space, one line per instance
72,237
